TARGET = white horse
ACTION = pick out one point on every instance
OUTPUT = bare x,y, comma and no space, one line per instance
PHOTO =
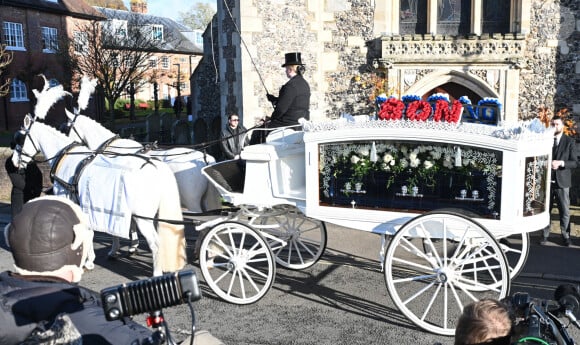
195,192
136,186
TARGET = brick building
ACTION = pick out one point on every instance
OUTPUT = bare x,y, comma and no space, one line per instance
32,31
37,33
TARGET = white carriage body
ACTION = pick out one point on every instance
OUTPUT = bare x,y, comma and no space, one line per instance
291,169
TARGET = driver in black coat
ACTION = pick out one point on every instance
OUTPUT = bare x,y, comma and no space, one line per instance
293,101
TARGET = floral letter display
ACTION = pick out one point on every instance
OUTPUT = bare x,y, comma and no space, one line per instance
410,176
437,108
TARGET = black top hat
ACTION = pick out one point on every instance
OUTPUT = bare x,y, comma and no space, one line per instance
292,59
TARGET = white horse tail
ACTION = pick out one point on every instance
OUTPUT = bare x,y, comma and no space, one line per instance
172,255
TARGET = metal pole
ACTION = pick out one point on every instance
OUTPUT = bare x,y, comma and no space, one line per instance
178,107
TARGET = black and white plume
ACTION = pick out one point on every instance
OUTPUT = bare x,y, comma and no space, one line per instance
87,89
47,97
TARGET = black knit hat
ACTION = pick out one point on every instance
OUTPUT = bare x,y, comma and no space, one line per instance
48,234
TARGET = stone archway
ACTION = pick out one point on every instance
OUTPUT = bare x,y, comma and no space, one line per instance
455,83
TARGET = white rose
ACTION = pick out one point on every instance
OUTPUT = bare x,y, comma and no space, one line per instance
387,158
354,159
428,164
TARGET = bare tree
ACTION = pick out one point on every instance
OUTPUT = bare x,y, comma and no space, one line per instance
116,52
198,16
5,60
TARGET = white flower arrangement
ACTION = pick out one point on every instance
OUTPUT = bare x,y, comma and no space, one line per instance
419,163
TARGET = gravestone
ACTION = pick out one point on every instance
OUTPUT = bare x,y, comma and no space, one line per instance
166,124
152,125
181,133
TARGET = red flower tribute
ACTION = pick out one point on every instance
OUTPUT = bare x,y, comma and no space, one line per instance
419,110
391,109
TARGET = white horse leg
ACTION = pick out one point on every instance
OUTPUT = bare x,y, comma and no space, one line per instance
90,261
148,231
134,238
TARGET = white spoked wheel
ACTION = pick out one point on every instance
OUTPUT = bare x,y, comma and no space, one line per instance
516,248
237,262
439,262
297,241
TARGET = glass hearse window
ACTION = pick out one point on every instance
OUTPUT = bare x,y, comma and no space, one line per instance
535,187
410,176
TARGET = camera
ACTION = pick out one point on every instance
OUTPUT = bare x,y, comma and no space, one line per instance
150,295
536,321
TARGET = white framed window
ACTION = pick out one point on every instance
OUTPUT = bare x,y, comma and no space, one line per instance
81,43
116,29
157,32
153,62
128,61
13,36
199,37
49,40
18,91
165,62
114,60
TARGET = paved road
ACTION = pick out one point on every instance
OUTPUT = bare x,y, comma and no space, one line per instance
340,300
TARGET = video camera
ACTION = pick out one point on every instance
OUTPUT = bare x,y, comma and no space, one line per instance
151,296
536,321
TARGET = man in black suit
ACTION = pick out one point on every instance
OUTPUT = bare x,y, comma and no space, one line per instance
293,101
564,159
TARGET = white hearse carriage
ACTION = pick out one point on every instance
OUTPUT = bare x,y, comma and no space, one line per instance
453,204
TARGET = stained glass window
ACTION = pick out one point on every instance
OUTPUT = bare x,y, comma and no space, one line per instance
453,17
413,17
496,16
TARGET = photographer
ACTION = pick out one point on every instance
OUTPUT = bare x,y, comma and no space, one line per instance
484,322
40,302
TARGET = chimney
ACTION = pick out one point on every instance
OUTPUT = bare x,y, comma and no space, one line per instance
139,6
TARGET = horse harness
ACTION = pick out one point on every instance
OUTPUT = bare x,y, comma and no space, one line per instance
73,187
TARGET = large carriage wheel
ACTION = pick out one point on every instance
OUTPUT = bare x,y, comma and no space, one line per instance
516,248
297,241
460,263
237,262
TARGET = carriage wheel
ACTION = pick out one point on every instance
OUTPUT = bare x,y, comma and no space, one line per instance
516,248
237,262
460,263
297,241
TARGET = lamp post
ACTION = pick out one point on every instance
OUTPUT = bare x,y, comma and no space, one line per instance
178,99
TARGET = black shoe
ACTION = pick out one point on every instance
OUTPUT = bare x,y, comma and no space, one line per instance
567,242
544,242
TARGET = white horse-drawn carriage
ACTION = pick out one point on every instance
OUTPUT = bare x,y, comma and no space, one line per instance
452,204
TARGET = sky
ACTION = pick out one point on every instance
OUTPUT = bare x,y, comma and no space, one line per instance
170,8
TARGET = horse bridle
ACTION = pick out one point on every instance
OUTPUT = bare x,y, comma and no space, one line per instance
20,139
